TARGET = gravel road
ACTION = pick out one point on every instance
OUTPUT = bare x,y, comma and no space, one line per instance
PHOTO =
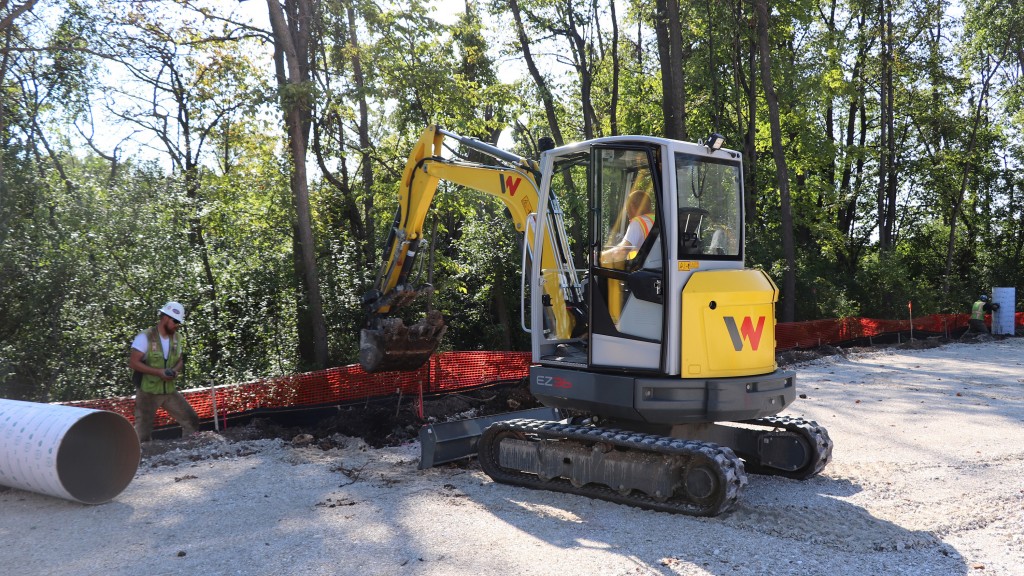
926,479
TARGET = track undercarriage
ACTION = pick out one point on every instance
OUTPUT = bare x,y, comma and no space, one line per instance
691,476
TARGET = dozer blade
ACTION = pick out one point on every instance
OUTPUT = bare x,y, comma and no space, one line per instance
393,346
443,442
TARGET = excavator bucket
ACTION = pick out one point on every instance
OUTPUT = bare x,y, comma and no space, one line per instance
392,346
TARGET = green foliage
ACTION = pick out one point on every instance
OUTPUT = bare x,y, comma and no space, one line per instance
481,284
98,258
640,89
71,68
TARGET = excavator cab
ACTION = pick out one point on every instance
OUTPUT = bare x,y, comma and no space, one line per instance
639,254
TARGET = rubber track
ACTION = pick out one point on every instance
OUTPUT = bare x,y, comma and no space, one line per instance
729,467
813,434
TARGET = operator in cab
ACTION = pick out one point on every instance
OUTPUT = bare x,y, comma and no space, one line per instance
639,212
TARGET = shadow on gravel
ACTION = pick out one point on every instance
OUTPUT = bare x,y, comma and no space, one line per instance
815,512
806,526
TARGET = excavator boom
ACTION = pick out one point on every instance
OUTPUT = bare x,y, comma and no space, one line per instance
386,343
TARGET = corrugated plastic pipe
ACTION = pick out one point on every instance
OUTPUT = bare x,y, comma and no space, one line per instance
78,454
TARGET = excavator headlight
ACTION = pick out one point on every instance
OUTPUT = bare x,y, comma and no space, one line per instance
715,141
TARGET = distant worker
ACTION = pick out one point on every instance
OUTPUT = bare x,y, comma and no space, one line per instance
640,213
157,358
978,310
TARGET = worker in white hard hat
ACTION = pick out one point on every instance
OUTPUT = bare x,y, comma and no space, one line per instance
157,358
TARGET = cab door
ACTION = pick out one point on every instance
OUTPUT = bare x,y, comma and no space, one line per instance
626,260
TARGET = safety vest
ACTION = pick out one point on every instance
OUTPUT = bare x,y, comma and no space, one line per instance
155,359
646,222
978,311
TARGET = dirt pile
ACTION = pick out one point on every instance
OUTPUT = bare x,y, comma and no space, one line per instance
378,423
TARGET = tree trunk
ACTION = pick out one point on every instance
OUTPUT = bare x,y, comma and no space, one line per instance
4,61
542,87
501,307
670,48
366,158
16,10
582,51
716,104
613,114
746,77
847,213
781,169
968,164
886,195
289,36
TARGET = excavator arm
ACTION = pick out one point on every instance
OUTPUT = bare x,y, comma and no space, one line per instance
386,343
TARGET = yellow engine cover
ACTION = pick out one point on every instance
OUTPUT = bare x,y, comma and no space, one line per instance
728,324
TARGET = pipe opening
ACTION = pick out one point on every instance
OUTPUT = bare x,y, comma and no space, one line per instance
98,457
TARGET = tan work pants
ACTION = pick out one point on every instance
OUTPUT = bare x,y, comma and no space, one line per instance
175,405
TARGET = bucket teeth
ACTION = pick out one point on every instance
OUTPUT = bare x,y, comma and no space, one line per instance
393,346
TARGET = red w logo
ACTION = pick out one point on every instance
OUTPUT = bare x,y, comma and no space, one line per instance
745,332
512,186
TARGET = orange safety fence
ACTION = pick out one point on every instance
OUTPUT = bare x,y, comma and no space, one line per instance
836,331
454,371
443,373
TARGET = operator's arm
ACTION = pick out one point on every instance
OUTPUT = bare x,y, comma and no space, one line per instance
617,253
137,362
630,242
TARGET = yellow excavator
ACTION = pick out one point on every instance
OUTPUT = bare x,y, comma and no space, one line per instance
658,342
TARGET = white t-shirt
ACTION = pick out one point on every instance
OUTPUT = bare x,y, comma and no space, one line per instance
637,230
141,343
